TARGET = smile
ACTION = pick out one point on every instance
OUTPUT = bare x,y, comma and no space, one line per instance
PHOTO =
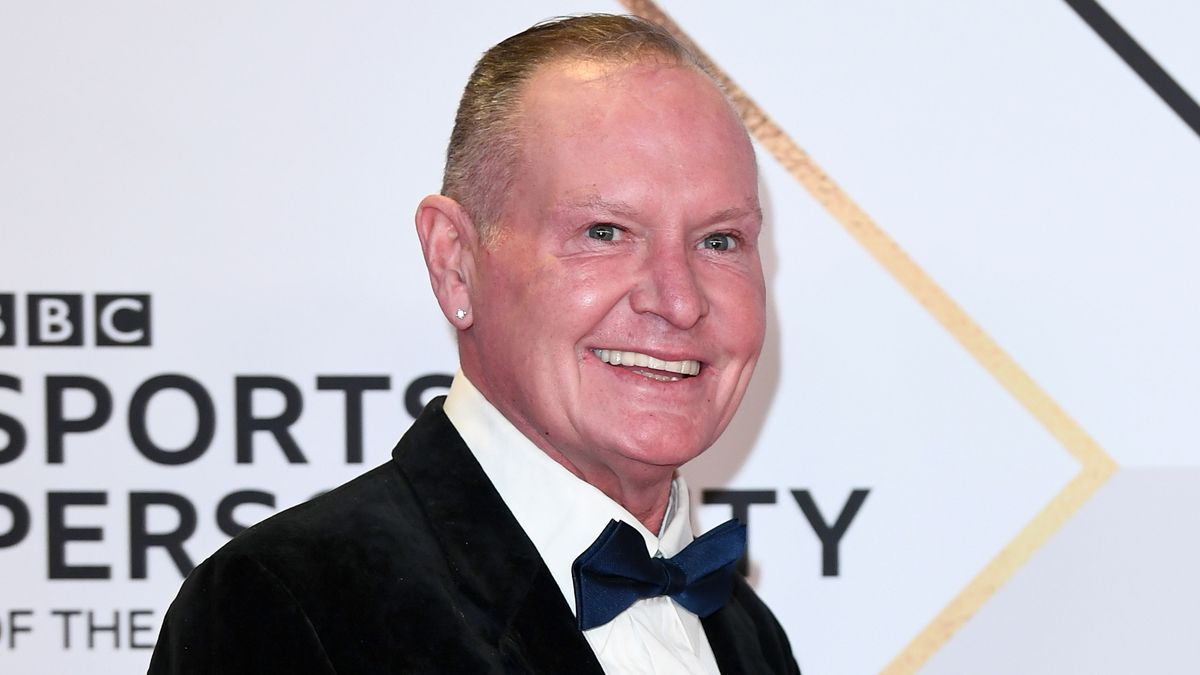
669,371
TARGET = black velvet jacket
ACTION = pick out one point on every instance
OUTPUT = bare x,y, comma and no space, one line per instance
414,567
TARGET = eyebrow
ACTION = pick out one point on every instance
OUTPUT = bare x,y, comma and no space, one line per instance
623,209
736,213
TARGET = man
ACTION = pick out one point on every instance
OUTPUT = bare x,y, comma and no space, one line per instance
595,246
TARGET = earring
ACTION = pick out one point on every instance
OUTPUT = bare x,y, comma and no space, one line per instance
460,313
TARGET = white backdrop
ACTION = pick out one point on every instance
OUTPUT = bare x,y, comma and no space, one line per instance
253,167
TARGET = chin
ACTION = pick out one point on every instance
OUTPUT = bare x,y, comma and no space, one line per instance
668,450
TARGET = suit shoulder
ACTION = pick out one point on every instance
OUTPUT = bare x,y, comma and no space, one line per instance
375,508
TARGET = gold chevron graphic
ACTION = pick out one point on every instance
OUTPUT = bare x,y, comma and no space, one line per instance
1097,465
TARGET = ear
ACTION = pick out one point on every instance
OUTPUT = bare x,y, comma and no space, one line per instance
449,240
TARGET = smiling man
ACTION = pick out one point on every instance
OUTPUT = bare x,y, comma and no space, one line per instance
595,246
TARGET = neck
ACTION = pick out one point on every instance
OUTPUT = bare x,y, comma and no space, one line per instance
642,489
643,492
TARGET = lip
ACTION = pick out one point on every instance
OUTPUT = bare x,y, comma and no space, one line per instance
629,377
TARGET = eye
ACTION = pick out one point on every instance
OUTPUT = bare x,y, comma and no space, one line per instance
602,231
719,241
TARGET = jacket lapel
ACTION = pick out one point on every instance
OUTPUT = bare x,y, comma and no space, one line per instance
496,566
734,640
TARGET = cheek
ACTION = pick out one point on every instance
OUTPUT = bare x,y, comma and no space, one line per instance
586,294
743,314
523,287
588,289
555,308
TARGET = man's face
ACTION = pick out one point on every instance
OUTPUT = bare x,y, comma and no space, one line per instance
630,234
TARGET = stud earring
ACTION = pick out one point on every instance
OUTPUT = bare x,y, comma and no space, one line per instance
460,313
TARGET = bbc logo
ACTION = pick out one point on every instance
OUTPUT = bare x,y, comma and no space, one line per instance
59,319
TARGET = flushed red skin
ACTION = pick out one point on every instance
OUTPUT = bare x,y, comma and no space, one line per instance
656,151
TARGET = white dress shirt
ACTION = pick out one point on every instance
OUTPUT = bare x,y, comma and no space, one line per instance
563,515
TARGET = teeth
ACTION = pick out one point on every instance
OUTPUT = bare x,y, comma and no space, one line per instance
658,376
619,358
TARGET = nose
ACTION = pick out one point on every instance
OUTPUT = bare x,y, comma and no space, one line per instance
669,287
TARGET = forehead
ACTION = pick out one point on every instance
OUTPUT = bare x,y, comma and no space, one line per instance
599,89
664,125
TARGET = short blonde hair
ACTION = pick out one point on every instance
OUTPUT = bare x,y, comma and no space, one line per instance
484,147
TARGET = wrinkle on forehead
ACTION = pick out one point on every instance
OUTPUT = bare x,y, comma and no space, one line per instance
596,203
628,110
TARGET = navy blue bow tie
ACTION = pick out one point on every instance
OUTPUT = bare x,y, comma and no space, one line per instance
616,571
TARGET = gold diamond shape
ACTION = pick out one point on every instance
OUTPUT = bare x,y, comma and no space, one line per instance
1097,465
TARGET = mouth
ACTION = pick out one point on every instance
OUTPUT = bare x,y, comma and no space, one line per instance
649,366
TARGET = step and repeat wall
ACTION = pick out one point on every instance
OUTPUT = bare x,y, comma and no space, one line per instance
971,444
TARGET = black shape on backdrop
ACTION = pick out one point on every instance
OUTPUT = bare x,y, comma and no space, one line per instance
122,320
414,396
18,514
141,540
8,321
15,628
1139,60
60,319
353,386
54,319
58,425
113,627
206,420
11,426
740,502
278,426
88,623
230,502
66,615
58,534
830,535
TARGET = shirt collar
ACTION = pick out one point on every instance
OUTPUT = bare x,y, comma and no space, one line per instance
561,514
